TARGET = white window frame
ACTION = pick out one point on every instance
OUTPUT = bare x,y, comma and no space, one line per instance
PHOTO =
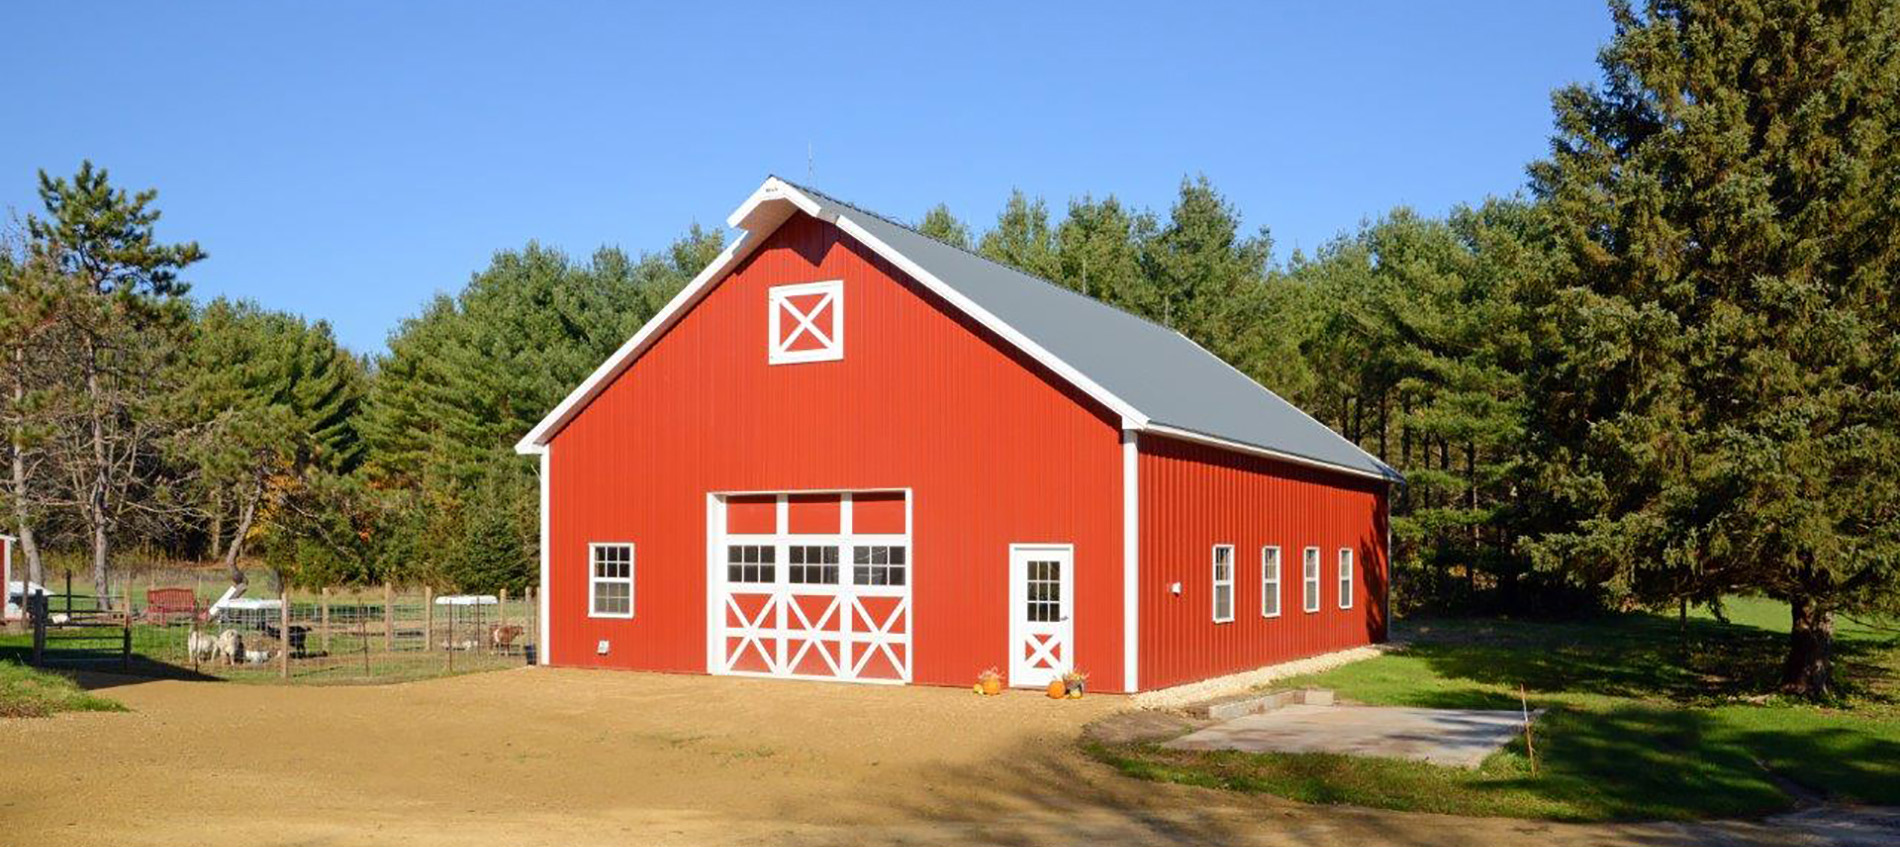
832,336
1345,578
1219,583
1309,580
594,579
1270,588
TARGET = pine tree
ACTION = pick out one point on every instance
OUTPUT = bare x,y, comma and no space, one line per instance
1717,400
938,223
125,307
1022,238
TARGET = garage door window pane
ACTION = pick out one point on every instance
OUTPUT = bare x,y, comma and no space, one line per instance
751,563
814,564
877,565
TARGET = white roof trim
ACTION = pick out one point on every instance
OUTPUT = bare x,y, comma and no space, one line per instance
536,439
759,220
993,323
1256,450
754,216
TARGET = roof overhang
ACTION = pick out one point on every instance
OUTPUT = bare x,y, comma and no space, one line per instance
768,208
762,213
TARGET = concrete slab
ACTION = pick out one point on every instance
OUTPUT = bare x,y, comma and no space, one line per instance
1452,737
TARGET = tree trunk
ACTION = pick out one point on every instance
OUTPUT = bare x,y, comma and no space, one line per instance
217,524
1809,670
97,509
246,514
23,526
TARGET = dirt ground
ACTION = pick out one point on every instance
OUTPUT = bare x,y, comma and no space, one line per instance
572,758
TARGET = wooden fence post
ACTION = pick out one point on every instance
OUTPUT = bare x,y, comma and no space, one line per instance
428,618
389,618
323,612
125,640
283,632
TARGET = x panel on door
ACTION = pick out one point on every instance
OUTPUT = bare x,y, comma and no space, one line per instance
806,595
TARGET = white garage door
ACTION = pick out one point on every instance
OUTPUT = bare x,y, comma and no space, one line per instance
811,586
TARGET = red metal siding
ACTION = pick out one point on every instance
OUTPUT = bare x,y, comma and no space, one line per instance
1194,497
996,450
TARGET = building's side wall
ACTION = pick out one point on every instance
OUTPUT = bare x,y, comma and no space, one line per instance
994,449
1194,497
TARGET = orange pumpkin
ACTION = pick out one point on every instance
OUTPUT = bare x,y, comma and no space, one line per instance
992,686
1057,690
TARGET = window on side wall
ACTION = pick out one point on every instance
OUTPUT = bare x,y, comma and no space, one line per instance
1310,579
1223,583
1269,582
610,580
1345,578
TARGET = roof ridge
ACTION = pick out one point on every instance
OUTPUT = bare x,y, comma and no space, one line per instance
974,254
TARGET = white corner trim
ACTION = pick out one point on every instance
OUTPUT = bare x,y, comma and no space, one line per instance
1131,561
1240,447
541,638
991,322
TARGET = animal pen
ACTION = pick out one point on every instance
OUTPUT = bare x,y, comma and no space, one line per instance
192,625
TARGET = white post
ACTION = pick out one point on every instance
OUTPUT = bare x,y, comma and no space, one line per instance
6,580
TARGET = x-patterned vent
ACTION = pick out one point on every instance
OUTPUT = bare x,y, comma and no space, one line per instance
807,322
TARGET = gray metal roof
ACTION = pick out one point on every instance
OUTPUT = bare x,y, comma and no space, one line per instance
1167,377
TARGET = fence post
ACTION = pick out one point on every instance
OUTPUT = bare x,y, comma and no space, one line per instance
324,624
36,605
533,633
428,618
389,618
125,640
283,632
501,615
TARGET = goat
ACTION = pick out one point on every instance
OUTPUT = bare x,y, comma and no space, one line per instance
298,632
230,647
201,645
503,637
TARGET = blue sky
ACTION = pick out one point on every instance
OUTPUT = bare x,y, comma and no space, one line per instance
347,160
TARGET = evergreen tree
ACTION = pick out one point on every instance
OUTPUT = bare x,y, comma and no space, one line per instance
1716,399
1207,277
268,398
124,309
1022,238
938,223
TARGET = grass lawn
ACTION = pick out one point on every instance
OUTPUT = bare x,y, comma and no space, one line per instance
29,693
1644,720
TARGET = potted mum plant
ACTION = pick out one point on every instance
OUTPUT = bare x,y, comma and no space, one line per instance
1073,684
990,682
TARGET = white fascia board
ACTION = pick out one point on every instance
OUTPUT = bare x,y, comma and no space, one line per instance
536,439
1303,413
772,189
1242,447
992,322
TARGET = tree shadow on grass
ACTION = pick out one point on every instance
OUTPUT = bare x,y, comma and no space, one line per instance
94,674
1635,655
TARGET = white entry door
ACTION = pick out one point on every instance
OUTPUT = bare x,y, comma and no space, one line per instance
1042,612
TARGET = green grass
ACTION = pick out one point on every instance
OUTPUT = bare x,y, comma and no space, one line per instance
1645,720
29,693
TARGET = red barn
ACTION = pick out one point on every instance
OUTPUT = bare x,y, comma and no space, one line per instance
848,451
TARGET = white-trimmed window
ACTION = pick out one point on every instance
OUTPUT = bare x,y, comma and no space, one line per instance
610,581
1345,578
1223,583
1310,579
807,322
1269,581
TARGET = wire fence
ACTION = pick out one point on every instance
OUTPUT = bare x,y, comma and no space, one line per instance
186,622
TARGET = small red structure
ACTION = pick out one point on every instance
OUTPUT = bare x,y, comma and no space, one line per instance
849,451
164,605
